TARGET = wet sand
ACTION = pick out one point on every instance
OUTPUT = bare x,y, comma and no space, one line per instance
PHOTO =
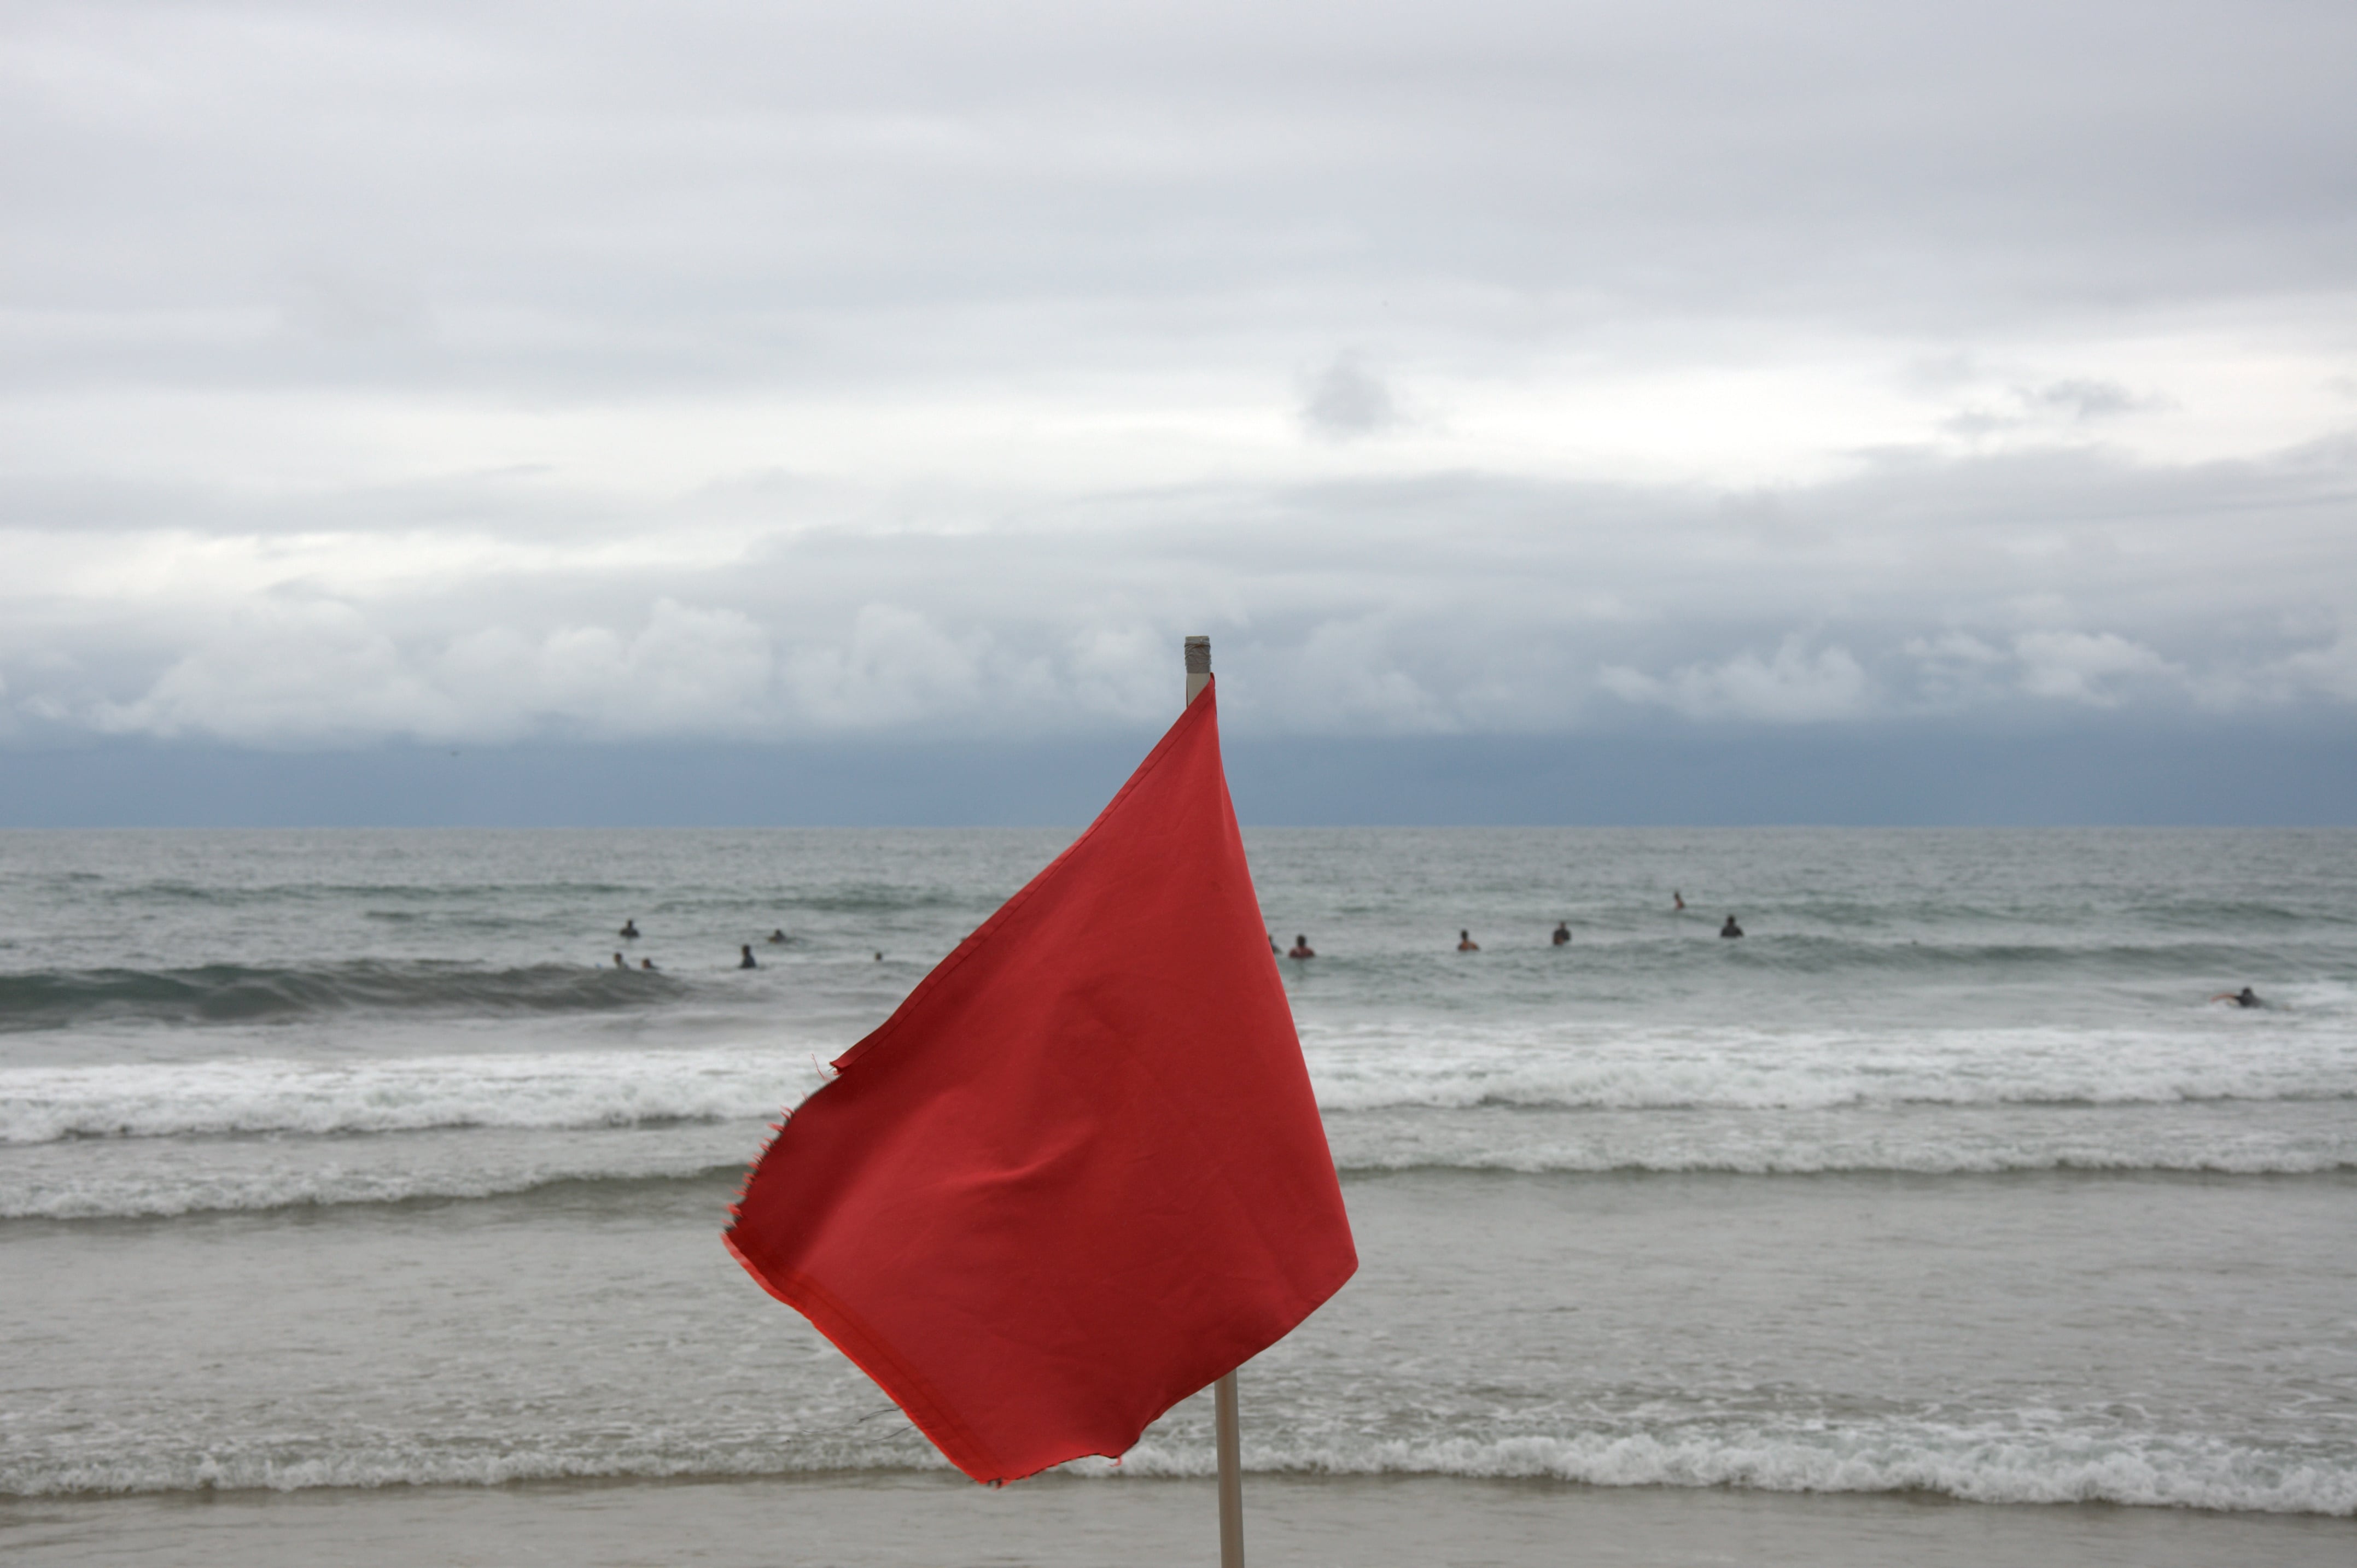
916,1521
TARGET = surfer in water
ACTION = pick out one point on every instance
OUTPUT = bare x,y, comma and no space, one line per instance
2247,997
1677,900
778,938
1561,932
630,931
746,960
619,963
1730,929
646,963
1301,947
1465,943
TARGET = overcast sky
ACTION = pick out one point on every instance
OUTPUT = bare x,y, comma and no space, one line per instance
483,373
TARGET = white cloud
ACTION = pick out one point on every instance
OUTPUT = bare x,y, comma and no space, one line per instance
687,671
1792,686
280,670
2329,672
896,668
319,673
2075,666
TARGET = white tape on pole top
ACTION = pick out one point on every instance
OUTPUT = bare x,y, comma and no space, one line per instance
1198,666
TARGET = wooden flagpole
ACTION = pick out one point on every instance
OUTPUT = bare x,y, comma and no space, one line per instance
1231,1477
1223,1392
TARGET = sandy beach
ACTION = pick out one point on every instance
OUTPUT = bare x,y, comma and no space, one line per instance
906,1521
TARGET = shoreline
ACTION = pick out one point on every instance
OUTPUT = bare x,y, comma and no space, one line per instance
903,1520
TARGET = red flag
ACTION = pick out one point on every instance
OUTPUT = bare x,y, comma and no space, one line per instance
1079,1174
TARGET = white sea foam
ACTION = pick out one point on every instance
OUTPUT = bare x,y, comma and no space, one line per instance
550,1088
1355,1068
64,1181
1365,1066
257,1133
1993,1465
157,1178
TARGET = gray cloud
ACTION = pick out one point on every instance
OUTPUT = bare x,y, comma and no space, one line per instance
1346,400
504,372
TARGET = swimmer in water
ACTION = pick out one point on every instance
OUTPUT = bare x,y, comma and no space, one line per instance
1730,929
1561,932
646,963
619,963
1677,899
778,937
1301,949
630,931
2247,997
746,961
1465,943
880,958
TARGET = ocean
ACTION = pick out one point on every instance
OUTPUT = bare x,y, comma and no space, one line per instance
349,1159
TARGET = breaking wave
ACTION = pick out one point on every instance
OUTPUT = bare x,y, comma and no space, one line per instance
230,994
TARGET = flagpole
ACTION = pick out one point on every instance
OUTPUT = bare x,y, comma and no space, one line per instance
1223,1392
1231,1479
